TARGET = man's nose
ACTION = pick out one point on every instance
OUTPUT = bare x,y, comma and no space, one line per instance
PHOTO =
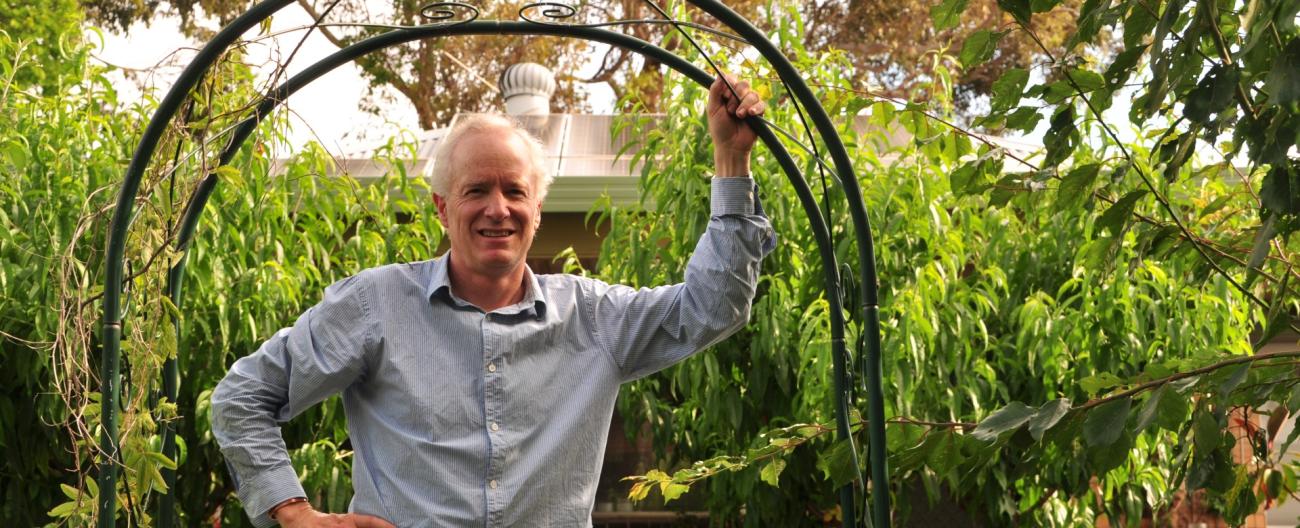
497,206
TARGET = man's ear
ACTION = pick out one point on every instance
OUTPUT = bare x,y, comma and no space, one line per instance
441,204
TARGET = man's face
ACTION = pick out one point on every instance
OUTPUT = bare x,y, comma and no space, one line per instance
492,209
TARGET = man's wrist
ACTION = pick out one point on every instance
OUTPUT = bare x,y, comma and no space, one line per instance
731,164
288,509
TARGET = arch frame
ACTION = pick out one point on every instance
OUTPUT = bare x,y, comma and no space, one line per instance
446,25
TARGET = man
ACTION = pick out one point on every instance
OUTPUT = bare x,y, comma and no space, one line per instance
478,393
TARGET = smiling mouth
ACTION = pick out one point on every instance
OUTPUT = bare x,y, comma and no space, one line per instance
496,233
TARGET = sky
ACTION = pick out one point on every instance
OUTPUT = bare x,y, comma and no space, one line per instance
328,110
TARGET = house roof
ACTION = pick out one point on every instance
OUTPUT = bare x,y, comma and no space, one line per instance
586,160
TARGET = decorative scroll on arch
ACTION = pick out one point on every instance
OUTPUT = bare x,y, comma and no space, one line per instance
458,18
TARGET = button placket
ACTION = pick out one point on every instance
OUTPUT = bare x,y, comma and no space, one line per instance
491,404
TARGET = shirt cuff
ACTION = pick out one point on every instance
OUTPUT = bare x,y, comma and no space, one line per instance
733,196
262,492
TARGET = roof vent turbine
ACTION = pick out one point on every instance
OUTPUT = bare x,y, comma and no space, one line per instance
527,88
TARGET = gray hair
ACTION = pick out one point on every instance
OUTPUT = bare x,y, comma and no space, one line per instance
441,178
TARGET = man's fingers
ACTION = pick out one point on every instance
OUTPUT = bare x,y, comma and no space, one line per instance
370,521
719,94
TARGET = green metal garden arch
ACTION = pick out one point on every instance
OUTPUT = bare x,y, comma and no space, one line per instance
455,18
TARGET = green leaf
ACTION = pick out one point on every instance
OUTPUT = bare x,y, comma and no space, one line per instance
1138,25
1054,92
1172,411
1280,191
1105,423
1103,459
63,510
1099,382
1233,377
961,180
771,473
1076,187
1212,94
1151,407
1024,119
1047,416
1008,418
1005,189
1290,437
1089,21
1206,431
1017,8
946,454
979,47
1283,81
16,154
1006,91
1117,215
1259,250
1087,81
1043,6
836,464
913,458
672,490
947,14
1061,138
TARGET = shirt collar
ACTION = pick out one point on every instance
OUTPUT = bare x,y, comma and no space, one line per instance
533,303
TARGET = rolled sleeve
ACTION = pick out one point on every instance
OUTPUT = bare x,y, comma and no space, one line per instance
268,488
733,196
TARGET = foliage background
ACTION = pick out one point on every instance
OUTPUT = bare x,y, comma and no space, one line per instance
1066,335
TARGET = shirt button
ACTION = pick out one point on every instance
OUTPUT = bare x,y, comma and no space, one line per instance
495,428
492,367
492,484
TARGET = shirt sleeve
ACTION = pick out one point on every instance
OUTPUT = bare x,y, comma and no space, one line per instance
323,353
646,330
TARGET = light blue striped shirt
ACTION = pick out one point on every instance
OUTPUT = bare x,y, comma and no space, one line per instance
465,418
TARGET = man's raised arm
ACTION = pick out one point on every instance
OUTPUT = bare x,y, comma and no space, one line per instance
647,330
